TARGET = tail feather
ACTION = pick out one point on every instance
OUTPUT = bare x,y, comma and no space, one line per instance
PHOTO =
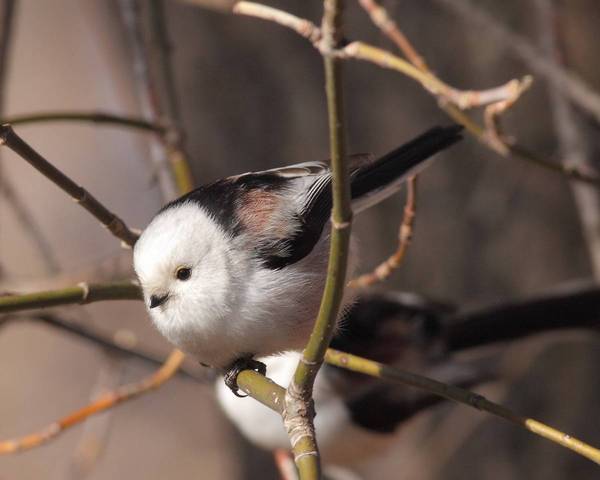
374,182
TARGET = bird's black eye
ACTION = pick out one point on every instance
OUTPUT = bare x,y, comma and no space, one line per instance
183,273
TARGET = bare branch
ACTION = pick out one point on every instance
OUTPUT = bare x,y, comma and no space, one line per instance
122,342
113,223
456,394
574,146
174,140
387,267
385,59
30,226
106,401
301,26
81,116
463,99
582,94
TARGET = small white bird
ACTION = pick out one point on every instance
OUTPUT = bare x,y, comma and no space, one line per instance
236,268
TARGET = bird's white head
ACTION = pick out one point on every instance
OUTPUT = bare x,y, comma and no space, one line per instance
184,263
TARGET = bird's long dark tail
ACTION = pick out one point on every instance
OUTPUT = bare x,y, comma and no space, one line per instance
372,183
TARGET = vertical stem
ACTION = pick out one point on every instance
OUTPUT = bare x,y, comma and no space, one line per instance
299,412
573,144
175,138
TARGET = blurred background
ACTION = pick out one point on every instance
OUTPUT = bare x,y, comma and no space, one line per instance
251,96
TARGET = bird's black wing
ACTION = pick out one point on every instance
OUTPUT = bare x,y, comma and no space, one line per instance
368,179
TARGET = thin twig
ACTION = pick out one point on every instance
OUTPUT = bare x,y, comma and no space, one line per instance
570,84
456,394
385,59
30,226
81,294
113,223
299,413
301,26
218,5
96,431
387,267
122,342
574,146
175,140
463,99
147,95
81,116
106,401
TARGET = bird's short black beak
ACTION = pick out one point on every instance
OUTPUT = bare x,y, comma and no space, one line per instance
156,300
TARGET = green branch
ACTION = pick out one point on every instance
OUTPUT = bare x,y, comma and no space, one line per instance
456,394
80,294
299,411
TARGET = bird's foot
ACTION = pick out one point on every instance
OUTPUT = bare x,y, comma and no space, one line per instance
241,364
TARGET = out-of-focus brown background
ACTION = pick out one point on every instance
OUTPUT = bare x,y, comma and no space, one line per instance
252,97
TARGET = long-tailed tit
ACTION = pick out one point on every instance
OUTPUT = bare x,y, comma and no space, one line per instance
236,268
358,415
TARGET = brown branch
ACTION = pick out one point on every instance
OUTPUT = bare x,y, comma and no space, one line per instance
569,83
106,401
122,342
174,141
387,267
81,116
577,152
96,431
113,223
30,226
147,95
368,53
463,99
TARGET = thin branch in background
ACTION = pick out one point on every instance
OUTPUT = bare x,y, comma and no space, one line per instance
463,99
491,135
170,112
285,465
456,394
569,83
122,342
147,95
304,28
259,387
299,406
92,441
102,118
384,59
390,264
103,403
81,294
113,223
31,227
224,6
574,145
168,157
